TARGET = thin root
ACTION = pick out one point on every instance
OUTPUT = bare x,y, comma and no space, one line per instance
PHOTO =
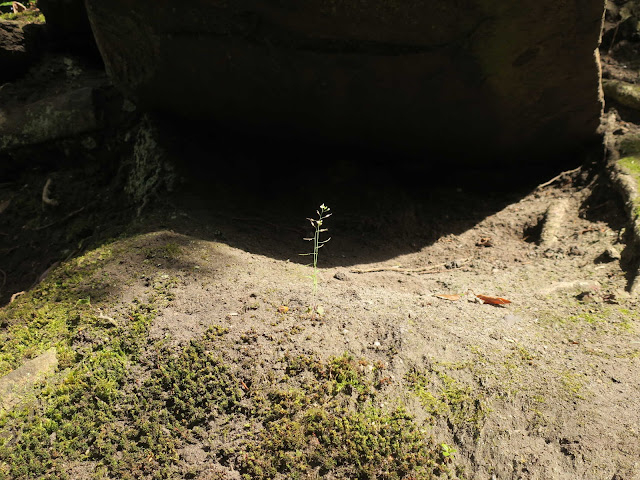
558,177
16,295
75,212
46,192
397,268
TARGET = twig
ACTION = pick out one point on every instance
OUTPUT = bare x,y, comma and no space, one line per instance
399,269
45,274
558,177
18,7
395,268
16,295
75,212
109,320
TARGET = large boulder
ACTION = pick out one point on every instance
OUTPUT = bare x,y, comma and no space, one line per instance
482,79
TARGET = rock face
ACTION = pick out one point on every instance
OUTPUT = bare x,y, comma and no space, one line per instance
65,115
484,80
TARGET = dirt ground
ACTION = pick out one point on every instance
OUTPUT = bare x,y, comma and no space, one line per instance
192,345
546,385
555,371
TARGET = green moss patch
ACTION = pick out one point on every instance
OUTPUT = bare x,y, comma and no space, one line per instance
443,396
331,425
124,406
51,314
24,17
632,164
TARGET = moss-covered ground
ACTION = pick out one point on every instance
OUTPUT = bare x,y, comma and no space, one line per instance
123,405
632,165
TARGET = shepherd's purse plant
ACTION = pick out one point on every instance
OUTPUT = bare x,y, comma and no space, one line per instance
317,223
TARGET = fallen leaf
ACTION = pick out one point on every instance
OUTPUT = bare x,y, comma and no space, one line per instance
452,298
485,242
493,300
283,309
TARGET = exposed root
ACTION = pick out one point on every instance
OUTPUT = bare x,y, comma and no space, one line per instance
46,195
18,7
397,268
46,273
561,175
75,212
553,221
16,295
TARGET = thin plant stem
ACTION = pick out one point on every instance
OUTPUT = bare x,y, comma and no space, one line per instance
323,214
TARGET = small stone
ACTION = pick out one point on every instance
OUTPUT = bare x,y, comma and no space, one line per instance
376,344
485,242
586,297
128,106
575,251
341,276
453,264
16,385
512,319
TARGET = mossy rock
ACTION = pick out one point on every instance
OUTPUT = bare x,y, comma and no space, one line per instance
626,94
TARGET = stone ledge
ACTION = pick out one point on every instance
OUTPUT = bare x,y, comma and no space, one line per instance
17,385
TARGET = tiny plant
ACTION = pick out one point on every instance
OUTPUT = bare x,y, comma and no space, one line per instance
447,451
317,223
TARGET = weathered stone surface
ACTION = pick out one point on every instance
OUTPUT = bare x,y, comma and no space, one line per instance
19,47
470,76
624,93
16,385
65,115
69,114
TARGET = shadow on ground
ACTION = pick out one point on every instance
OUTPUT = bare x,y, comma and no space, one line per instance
255,194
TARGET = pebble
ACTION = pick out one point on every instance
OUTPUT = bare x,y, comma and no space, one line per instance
341,276
512,319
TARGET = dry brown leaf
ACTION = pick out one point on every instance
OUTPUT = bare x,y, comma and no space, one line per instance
493,300
452,298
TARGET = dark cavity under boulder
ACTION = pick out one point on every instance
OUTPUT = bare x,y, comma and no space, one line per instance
20,46
68,26
489,81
